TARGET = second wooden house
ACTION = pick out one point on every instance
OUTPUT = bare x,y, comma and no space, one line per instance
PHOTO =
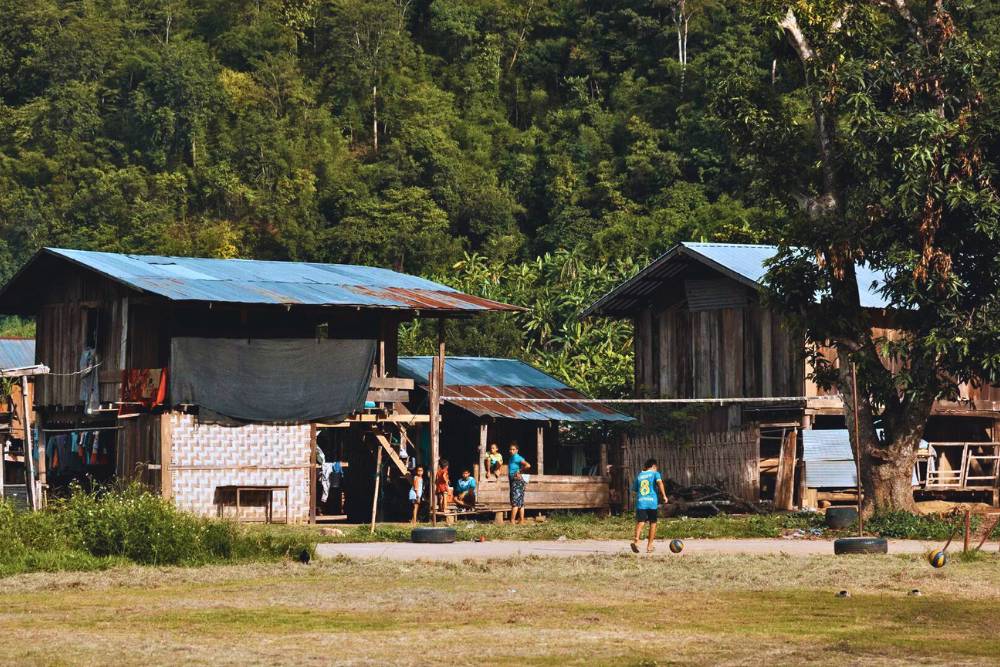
702,331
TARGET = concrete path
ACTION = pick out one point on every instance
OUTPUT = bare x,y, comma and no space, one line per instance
554,548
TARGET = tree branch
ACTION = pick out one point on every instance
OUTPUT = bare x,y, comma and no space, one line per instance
796,37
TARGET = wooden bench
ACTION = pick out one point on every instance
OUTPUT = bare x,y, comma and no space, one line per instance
237,491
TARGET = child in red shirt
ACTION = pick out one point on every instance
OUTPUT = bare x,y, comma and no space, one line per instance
442,486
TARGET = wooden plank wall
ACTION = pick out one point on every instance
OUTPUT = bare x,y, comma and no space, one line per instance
722,353
549,492
138,448
60,333
727,459
966,391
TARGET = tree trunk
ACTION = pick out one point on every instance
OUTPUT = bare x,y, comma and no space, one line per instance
887,482
886,466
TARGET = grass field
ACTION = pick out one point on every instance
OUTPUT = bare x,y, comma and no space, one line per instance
607,610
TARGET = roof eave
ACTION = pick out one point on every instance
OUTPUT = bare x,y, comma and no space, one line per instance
680,249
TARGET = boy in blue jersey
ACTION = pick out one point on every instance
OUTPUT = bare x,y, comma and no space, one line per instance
647,507
465,491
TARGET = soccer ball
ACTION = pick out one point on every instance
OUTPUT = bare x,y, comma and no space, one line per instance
938,559
676,546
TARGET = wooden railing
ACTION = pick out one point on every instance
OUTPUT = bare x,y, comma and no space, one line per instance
978,468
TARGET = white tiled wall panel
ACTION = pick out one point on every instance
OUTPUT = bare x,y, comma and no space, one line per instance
205,456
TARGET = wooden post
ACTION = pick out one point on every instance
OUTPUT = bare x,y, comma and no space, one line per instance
967,531
312,473
540,446
440,357
378,481
857,449
603,471
434,397
34,492
482,451
166,436
784,487
803,490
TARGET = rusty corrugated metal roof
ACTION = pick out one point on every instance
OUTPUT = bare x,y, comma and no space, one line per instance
247,281
507,380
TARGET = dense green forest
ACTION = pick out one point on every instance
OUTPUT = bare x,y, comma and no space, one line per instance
533,150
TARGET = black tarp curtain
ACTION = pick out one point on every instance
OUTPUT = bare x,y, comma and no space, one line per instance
272,380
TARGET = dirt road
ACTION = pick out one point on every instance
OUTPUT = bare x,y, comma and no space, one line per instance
505,549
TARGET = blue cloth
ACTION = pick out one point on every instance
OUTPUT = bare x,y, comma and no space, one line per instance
514,465
645,489
466,484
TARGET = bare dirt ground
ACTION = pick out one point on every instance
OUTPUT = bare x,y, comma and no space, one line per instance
725,609
464,550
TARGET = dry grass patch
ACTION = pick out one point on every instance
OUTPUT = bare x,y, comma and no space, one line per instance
592,610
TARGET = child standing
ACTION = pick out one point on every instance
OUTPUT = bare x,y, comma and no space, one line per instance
442,486
648,488
416,492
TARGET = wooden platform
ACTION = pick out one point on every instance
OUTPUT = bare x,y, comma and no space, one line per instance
546,492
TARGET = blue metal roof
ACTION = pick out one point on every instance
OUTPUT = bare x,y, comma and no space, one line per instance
746,263
493,372
17,352
247,281
505,382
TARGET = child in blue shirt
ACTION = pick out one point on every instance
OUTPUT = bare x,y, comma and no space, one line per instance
465,491
647,484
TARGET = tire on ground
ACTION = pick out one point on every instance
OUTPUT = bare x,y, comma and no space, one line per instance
841,517
861,545
433,535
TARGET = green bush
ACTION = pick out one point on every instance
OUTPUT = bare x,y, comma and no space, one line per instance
129,525
904,525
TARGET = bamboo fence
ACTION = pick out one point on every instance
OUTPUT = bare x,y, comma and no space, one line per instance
727,459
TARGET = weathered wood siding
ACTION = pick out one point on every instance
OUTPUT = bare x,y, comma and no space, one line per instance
139,449
720,353
549,492
60,333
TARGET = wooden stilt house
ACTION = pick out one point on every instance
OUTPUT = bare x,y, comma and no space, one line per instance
701,331
483,405
219,382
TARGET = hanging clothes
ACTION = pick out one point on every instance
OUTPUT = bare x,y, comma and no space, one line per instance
90,390
142,388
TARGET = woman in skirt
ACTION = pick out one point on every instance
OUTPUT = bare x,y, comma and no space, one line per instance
516,465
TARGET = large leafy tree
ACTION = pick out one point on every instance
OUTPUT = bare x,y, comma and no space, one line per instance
877,124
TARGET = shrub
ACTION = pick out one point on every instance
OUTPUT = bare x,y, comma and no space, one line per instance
904,525
129,525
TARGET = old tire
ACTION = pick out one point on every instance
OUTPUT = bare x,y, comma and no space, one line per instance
839,518
432,535
860,545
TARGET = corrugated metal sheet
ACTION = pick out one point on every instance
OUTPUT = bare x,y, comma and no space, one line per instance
831,475
17,352
248,281
481,370
508,379
745,263
829,459
827,445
